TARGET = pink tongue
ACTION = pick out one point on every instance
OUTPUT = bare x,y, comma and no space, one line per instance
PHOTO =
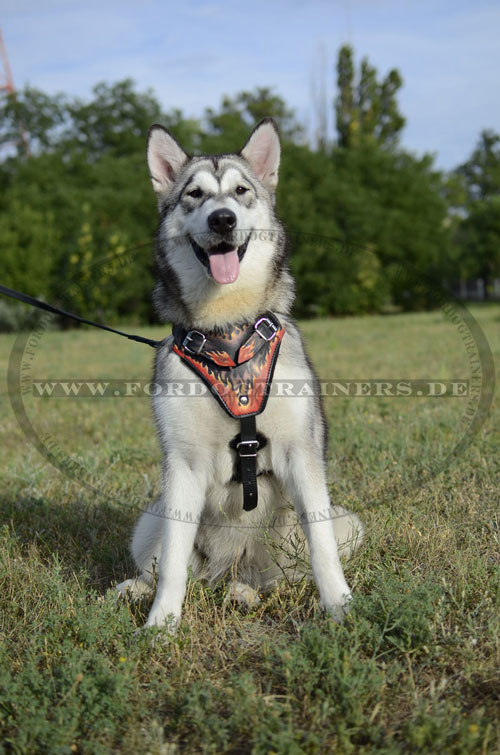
224,267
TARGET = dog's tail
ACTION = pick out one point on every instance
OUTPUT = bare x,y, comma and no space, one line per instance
349,531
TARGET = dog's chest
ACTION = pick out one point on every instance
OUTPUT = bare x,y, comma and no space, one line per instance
191,421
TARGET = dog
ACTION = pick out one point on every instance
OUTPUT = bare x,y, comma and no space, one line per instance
221,262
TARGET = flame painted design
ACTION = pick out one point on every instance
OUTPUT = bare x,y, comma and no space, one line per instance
251,377
221,358
248,350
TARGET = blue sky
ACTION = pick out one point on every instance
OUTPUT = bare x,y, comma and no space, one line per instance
192,53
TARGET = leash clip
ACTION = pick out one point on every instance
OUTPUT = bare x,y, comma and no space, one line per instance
266,323
191,336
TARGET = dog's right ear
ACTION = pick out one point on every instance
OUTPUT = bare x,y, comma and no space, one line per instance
165,159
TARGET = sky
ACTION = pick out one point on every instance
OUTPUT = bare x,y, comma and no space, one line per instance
192,53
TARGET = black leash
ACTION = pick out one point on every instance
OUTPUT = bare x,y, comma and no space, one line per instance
246,445
56,311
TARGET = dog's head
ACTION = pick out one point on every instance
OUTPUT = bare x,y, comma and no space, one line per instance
214,208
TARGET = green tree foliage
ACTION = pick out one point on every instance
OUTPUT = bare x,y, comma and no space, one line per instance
228,129
477,236
482,170
73,208
113,122
27,236
366,109
382,211
480,241
88,168
30,121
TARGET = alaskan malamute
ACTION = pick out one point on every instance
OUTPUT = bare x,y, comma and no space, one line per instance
223,280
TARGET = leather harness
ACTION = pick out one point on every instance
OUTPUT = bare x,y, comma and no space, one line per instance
237,365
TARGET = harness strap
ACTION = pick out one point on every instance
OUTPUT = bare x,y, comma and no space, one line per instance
247,449
237,365
57,311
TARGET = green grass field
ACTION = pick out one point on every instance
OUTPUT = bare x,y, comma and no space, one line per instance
414,668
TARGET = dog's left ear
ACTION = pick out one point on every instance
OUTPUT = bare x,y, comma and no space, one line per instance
262,151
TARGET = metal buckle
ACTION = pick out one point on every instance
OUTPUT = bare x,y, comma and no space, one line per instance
268,324
248,443
190,337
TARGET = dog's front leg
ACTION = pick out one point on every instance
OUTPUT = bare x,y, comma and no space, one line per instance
306,480
183,499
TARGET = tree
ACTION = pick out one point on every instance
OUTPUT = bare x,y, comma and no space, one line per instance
228,129
31,118
87,168
366,108
478,236
26,234
114,121
482,170
355,220
83,199
320,104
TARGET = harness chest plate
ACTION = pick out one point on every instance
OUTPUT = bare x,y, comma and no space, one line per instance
237,365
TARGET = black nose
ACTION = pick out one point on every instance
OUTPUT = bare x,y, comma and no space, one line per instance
221,221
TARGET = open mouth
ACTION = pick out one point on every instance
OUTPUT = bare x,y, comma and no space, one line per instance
222,260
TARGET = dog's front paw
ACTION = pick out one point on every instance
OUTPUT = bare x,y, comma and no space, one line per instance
338,610
133,588
162,618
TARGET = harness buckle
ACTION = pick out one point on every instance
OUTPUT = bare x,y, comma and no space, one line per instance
265,322
254,443
191,336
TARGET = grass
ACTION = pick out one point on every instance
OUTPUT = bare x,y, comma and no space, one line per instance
413,668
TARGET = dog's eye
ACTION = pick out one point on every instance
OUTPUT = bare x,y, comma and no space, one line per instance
195,193
241,189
